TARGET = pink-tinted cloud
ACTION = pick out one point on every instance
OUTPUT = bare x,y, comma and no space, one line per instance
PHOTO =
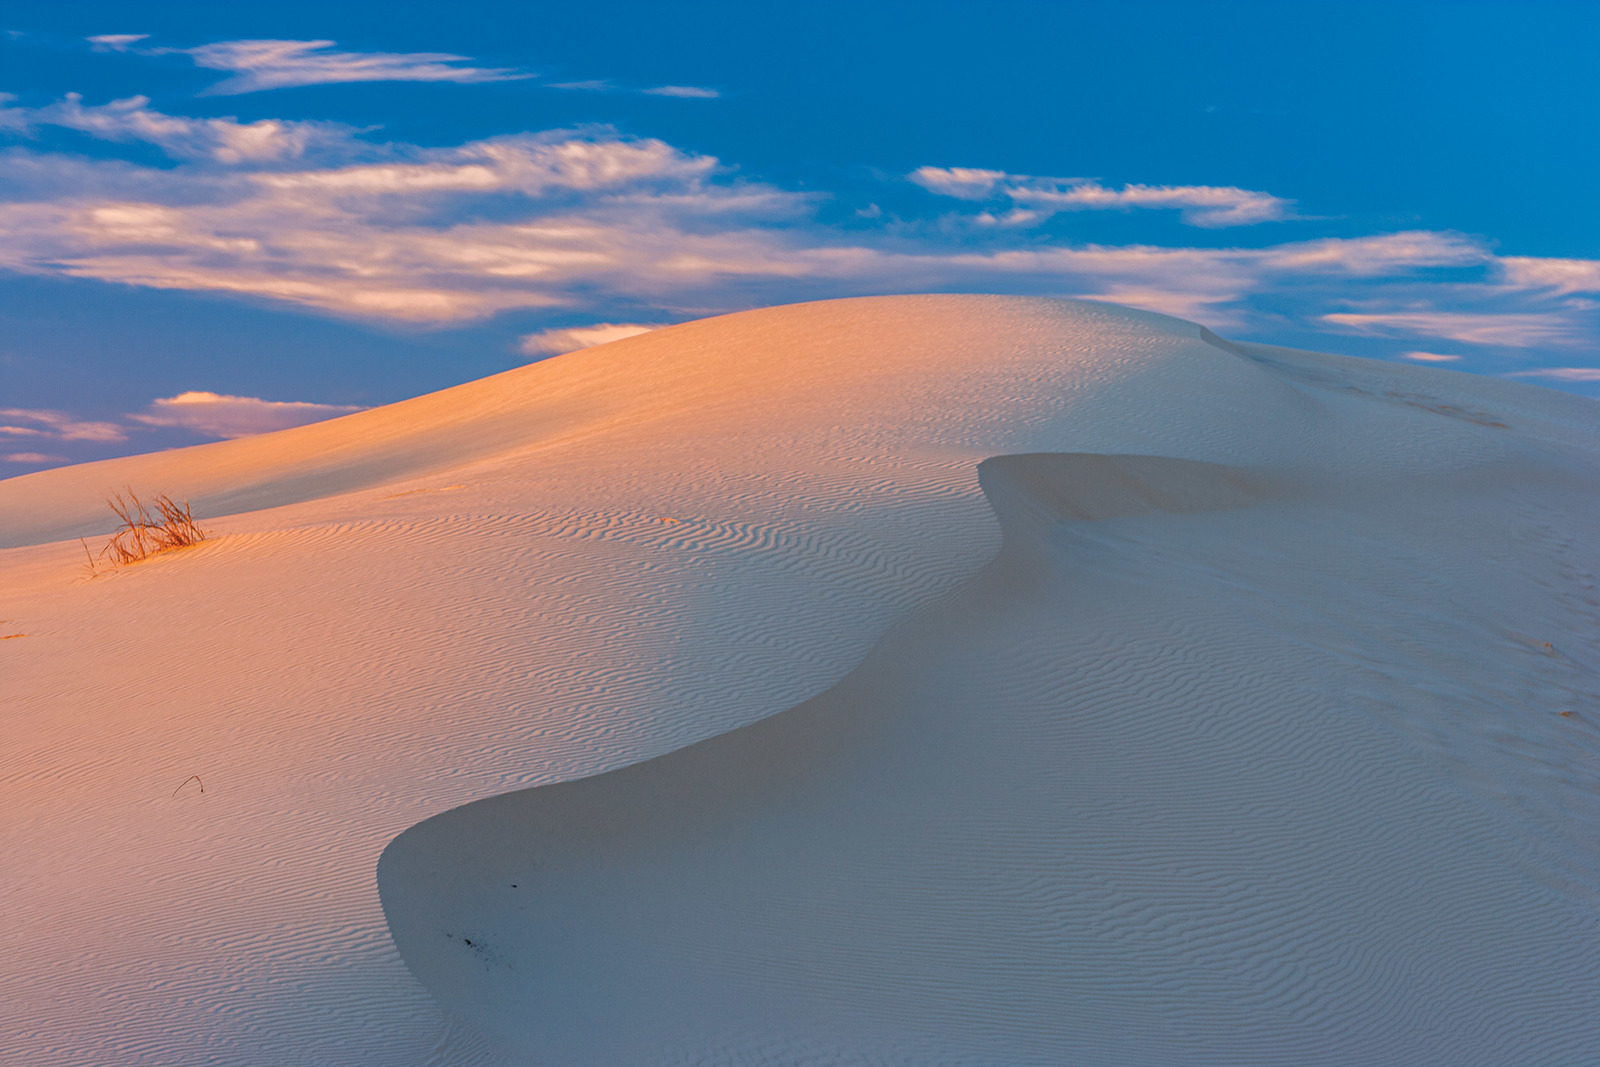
571,338
687,92
1380,254
963,183
116,42
1480,328
57,426
270,64
1556,275
219,415
1035,198
225,140
584,220
1561,374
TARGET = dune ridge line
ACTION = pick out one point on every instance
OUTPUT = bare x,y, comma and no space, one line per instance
1014,677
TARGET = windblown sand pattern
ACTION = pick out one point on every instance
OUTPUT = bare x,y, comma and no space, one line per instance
1269,731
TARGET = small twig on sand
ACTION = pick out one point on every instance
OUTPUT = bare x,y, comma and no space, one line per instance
92,572
186,781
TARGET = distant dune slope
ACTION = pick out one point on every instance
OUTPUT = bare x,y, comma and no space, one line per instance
1270,735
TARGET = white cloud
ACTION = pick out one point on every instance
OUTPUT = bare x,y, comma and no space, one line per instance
57,426
270,64
688,92
219,415
32,458
1036,198
1430,357
570,339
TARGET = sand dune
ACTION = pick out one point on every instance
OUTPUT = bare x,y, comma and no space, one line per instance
1269,734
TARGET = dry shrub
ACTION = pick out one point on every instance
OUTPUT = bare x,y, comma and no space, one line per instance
145,532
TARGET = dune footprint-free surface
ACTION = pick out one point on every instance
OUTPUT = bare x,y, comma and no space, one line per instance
900,680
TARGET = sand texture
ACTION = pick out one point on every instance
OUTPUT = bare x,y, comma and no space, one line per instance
910,680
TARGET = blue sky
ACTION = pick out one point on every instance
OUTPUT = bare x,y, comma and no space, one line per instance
217,219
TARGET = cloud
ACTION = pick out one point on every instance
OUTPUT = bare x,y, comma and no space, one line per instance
57,426
116,42
1200,205
964,183
589,221
1506,329
1557,275
429,235
606,85
570,339
32,457
1429,357
1561,374
219,415
224,140
1381,254
688,92
1034,198
272,64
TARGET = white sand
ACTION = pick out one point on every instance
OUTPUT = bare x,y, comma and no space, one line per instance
1248,747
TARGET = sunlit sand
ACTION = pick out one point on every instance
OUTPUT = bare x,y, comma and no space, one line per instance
908,680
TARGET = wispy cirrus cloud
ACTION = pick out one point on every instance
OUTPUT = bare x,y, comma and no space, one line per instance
1555,275
259,65
606,85
224,140
272,64
204,413
1381,253
571,338
1507,329
45,424
685,92
1561,374
220,415
1033,199
116,42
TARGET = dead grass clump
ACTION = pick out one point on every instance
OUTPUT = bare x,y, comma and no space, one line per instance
144,532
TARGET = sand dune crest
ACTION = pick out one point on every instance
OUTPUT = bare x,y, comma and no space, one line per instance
1247,743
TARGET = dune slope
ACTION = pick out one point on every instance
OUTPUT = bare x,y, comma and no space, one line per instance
1269,735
